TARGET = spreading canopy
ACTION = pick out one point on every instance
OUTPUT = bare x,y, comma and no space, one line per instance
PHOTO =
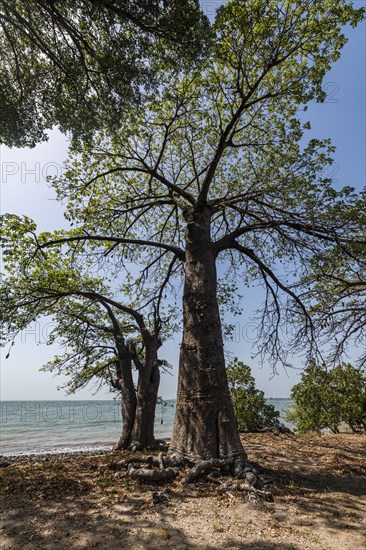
80,64
226,137
215,167
335,289
89,318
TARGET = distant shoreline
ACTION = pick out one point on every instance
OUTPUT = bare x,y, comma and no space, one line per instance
63,426
278,398
57,454
117,400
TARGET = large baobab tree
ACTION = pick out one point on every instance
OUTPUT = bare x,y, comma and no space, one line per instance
216,169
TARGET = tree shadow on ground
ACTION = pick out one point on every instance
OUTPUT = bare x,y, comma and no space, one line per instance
255,545
81,524
85,504
324,443
321,478
336,501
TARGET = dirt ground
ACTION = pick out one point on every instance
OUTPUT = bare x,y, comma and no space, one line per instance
319,503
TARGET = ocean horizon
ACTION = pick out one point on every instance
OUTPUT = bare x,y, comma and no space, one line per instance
69,425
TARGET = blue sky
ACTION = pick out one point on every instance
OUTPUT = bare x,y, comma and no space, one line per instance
23,191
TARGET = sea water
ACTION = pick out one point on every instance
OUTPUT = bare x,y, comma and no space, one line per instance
64,426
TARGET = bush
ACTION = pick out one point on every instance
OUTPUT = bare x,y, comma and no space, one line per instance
251,410
326,398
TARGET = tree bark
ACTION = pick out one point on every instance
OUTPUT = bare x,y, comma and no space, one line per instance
147,396
205,426
128,399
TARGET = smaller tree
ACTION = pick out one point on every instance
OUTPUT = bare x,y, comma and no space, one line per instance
308,411
104,332
251,410
350,384
326,398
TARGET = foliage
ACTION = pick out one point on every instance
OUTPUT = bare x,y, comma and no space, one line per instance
80,64
227,136
251,410
217,161
224,136
90,322
325,398
88,344
335,288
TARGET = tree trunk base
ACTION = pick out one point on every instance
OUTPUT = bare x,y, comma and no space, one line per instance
156,445
124,444
221,472
121,445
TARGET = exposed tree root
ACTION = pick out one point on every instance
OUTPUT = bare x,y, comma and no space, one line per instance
205,467
212,471
144,474
149,473
149,460
276,430
222,472
266,495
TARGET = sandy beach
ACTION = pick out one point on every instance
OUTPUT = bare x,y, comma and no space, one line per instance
80,501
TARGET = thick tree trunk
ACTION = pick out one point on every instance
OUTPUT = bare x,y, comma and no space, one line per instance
205,426
147,396
128,400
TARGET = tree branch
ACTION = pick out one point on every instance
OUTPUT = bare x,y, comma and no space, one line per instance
119,240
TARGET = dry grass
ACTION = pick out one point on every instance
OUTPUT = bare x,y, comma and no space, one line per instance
320,497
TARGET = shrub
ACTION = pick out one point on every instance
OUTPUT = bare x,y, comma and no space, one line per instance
251,410
326,398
